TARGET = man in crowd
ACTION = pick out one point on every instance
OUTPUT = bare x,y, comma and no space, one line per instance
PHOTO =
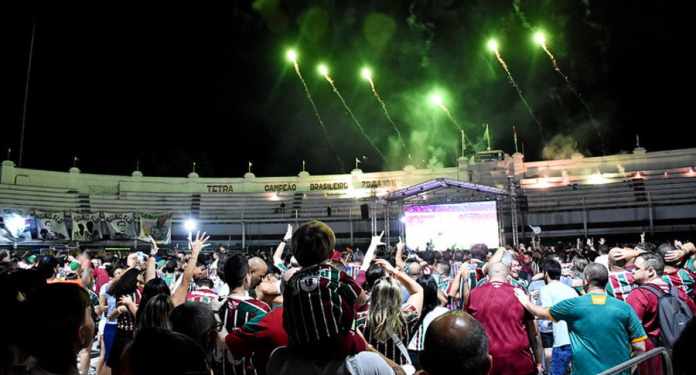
645,301
602,329
455,343
509,327
673,274
552,293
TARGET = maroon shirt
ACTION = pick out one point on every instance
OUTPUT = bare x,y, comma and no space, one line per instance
645,303
503,318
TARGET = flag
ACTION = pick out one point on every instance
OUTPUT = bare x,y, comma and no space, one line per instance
86,227
120,226
14,225
159,226
51,226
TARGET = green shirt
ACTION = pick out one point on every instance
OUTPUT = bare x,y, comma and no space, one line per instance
601,331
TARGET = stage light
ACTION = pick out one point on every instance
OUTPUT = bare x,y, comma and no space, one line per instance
366,73
323,69
274,197
291,55
492,45
190,225
539,38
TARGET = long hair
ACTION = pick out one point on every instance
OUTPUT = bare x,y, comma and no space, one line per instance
384,316
151,289
155,313
126,284
430,300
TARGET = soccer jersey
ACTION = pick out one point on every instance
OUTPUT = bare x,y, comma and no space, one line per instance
202,295
681,279
620,284
319,304
601,329
503,318
236,312
389,347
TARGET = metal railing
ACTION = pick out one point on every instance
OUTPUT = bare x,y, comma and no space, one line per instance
666,362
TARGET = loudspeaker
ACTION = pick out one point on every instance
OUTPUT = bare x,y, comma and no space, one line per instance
364,211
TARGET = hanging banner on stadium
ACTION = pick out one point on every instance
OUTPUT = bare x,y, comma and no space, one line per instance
159,226
51,226
86,227
14,225
120,226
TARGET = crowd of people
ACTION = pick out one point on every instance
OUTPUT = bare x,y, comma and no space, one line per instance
307,308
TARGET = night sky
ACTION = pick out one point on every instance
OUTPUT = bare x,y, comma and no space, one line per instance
173,85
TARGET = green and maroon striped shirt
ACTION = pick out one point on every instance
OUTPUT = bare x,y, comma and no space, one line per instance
319,304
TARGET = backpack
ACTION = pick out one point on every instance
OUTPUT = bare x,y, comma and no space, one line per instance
673,314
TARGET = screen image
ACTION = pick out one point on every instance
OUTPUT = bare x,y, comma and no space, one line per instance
451,225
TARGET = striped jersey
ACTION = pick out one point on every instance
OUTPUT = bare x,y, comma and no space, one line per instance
388,347
681,279
319,304
236,312
620,284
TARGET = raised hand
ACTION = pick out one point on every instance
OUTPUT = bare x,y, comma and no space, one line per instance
288,233
377,240
385,265
199,242
153,245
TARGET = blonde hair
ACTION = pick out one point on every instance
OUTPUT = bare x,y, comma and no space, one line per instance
384,316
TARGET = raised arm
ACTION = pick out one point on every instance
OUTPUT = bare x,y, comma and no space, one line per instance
414,289
278,253
398,257
370,253
150,271
179,296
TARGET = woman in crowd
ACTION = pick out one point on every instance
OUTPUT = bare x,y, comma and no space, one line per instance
390,326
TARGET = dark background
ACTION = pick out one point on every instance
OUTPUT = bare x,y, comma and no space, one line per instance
170,85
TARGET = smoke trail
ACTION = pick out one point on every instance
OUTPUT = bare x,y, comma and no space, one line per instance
316,113
575,92
352,116
389,118
519,92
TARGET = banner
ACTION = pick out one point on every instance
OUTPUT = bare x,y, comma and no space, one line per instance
120,226
15,225
159,226
86,227
51,226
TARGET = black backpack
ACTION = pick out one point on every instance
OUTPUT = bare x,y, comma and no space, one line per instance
673,314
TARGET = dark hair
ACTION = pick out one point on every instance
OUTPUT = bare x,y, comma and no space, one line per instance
448,353
663,249
46,266
552,268
374,273
596,275
430,300
183,355
151,289
155,312
479,251
236,269
205,282
312,243
125,285
197,321
59,310
170,266
654,261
